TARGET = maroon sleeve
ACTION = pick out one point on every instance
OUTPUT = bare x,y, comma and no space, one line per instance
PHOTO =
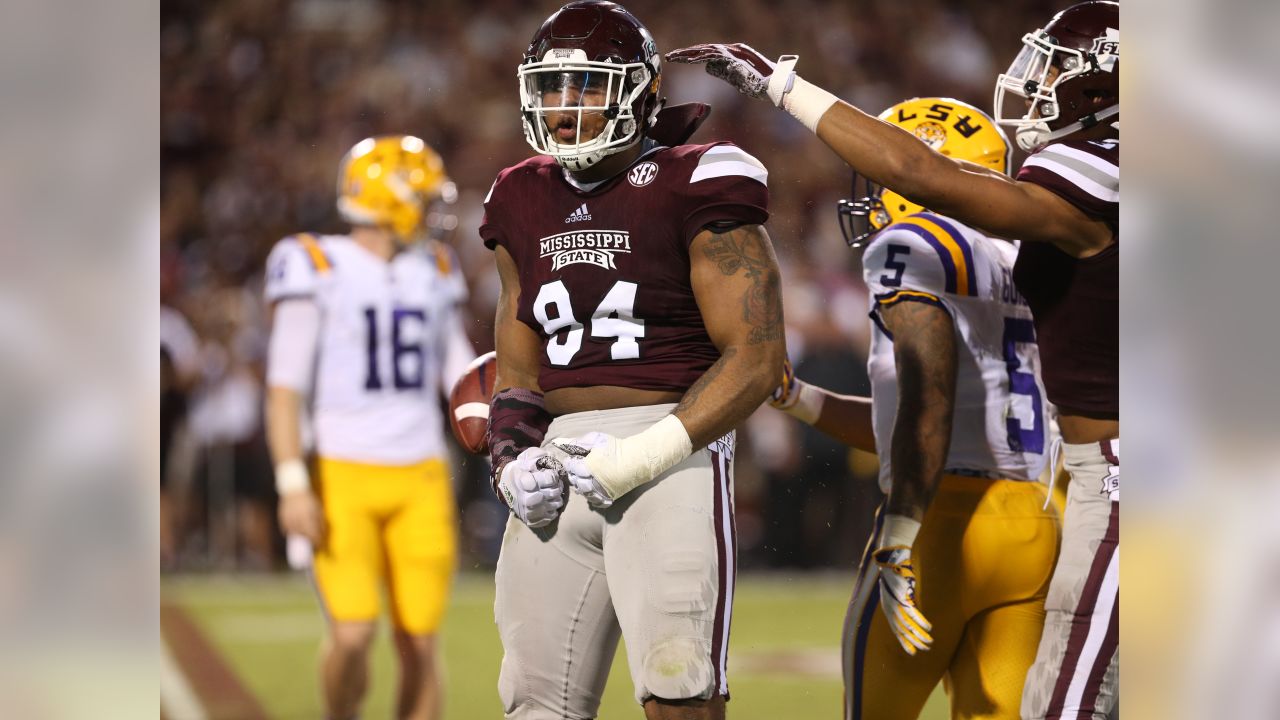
1084,173
726,184
491,228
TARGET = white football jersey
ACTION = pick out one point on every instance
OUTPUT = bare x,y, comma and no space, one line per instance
383,329
1000,423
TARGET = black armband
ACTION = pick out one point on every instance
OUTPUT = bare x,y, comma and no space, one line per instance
518,419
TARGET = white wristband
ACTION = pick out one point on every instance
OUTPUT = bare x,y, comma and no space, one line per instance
292,476
784,74
640,458
899,531
807,102
807,407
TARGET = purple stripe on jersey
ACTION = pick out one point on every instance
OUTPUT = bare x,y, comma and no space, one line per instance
948,264
717,630
875,318
965,249
864,619
1082,618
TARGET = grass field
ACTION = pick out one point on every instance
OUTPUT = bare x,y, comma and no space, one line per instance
784,657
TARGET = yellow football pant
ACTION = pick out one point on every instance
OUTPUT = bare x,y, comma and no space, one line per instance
392,525
983,560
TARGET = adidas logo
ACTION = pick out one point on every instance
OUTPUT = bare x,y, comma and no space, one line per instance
578,215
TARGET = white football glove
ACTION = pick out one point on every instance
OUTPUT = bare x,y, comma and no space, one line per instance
533,486
575,466
611,467
898,599
743,67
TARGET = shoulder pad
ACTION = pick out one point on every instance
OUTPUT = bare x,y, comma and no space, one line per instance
726,160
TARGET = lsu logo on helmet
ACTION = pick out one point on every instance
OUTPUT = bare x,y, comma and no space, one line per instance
954,128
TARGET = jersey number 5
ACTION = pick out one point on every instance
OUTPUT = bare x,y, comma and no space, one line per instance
615,318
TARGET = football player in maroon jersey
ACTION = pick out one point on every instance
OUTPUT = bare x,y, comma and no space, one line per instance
639,322
1065,201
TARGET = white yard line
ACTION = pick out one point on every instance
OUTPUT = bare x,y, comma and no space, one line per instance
177,699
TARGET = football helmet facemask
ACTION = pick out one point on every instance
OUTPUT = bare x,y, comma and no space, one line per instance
955,129
592,70
396,182
1066,77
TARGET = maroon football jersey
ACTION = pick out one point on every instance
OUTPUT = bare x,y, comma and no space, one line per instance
604,269
1076,302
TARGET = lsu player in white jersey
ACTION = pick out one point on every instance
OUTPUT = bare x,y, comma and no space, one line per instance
963,548
367,336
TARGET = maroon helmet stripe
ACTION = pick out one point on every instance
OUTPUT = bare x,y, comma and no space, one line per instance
1083,616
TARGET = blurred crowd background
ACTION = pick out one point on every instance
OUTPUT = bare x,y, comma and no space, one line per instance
260,98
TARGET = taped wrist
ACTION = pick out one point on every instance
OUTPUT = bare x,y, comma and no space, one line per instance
899,531
806,402
518,419
807,102
636,460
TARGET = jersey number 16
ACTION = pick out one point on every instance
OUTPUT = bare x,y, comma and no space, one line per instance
407,356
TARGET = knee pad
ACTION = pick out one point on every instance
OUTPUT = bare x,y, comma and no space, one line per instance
677,669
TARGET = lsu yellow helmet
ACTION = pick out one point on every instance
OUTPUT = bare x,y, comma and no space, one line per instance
390,182
955,129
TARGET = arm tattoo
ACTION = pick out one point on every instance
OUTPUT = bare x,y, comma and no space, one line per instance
695,391
744,249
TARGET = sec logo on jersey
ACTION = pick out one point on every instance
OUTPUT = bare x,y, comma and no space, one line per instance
643,174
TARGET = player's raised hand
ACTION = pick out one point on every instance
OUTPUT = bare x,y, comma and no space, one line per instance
581,478
898,599
743,67
533,486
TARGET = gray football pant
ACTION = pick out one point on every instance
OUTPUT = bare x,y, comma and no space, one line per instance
656,568
1076,675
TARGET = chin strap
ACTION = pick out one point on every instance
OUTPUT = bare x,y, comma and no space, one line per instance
1034,137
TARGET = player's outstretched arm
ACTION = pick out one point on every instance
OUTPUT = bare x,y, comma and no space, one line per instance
846,418
892,157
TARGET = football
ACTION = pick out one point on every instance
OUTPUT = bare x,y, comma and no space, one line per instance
469,403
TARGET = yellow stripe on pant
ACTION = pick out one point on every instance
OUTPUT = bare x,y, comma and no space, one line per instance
983,560
392,527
